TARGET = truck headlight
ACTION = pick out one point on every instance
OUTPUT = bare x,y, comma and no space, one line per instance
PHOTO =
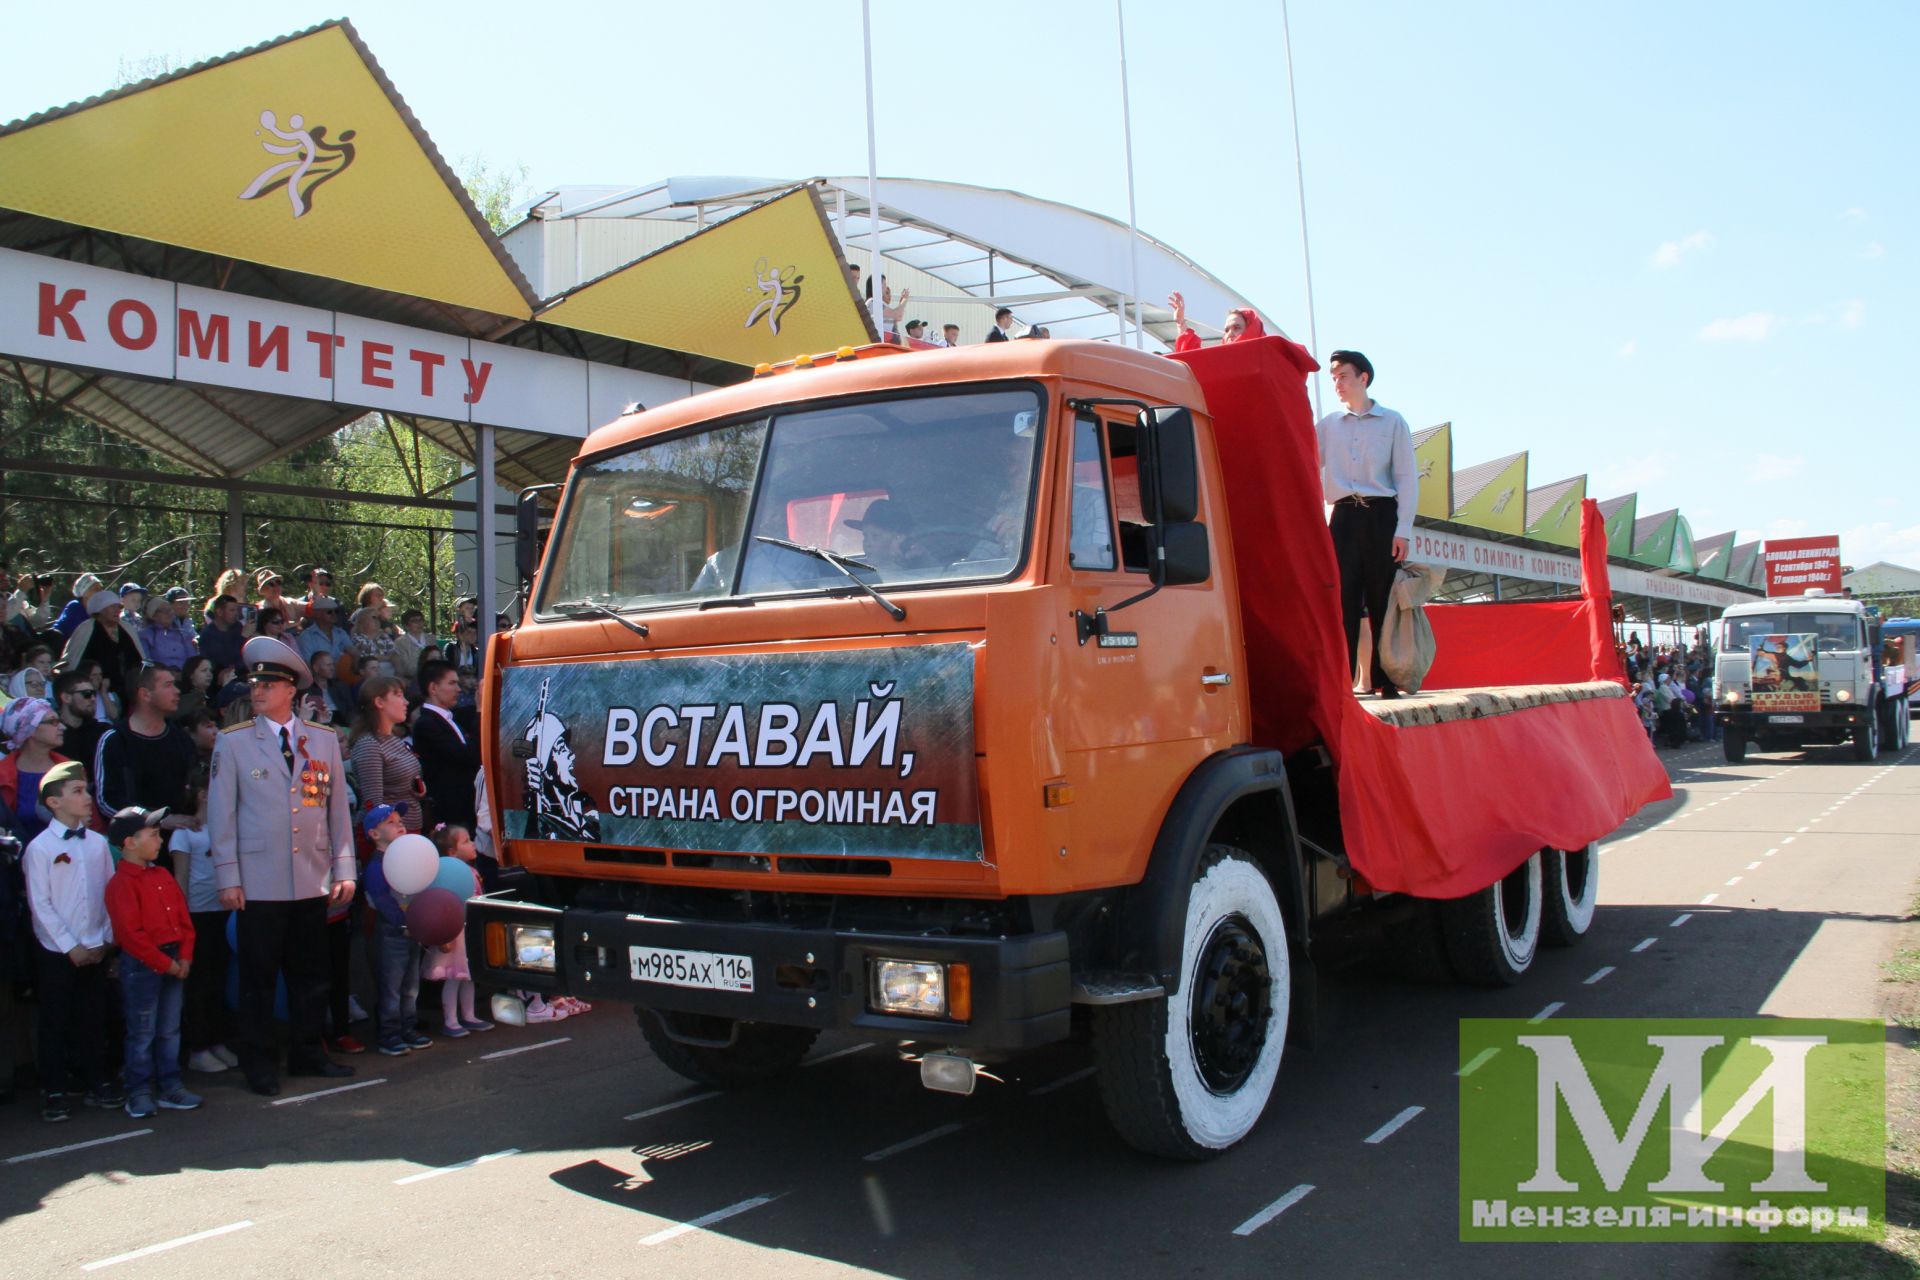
922,989
1843,695
1731,695
530,946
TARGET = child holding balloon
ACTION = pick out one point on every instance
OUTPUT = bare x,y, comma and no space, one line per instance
447,963
396,956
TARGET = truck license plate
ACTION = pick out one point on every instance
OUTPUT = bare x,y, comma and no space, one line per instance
709,970
1786,719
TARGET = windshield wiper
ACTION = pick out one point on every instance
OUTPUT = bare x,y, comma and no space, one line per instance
575,608
844,564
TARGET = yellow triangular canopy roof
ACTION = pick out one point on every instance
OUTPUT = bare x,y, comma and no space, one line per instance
297,154
766,285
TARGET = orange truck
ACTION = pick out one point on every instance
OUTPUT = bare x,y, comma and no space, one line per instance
997,697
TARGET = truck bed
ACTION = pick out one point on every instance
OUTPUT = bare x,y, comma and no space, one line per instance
1443,706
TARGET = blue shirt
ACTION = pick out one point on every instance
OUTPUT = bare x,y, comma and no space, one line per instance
1369,454
313,640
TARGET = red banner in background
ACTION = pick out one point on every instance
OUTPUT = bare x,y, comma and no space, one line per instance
1796,566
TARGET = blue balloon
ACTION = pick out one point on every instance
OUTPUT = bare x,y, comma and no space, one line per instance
455,876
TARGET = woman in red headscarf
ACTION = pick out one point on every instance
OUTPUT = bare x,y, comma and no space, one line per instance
1241,324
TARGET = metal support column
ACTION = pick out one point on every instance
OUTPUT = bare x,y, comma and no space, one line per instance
236,528
483,518
1496,588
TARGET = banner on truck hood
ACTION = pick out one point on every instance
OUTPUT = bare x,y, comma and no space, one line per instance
1786,672
861,753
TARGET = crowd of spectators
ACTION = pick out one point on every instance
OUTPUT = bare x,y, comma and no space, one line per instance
1673,688
110,704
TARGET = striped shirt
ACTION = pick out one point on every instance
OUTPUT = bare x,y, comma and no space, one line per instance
384,771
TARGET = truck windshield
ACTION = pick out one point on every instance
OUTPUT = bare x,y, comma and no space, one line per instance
1836,631
919,489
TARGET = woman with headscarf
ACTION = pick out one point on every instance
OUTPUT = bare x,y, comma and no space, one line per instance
103,638
75,611
31,732
1241,324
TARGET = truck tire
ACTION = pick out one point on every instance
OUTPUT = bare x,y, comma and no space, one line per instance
1188,1075
1493,935
759,1052
1903,725
1892,724
1572,882
1866,736
1733,745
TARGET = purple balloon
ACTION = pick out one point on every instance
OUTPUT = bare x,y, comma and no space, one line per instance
435,917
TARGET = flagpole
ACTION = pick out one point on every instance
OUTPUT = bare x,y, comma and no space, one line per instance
1133,232
1300,179
873,171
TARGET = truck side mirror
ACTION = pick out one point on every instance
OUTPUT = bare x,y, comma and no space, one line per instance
1185,556
1174,466
527,542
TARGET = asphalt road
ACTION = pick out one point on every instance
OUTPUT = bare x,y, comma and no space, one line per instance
1772,887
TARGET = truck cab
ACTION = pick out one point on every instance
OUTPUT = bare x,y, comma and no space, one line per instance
1804,671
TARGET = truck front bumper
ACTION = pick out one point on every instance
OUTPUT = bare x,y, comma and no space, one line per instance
1021,986
1834,720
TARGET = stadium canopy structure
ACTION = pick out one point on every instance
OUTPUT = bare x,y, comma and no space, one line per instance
234,260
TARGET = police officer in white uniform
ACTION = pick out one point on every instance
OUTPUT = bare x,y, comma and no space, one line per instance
282,852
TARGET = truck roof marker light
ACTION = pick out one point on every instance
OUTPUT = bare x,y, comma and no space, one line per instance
762,369
803,361
844,353
1058,794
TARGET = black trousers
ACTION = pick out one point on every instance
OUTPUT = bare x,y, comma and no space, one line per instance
204,1021
282,939
72,1026
1363,547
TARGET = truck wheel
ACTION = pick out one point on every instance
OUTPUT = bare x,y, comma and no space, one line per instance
1903,718
1572,883
1733,745
759,1052
1188,1075
1492,935
1866,737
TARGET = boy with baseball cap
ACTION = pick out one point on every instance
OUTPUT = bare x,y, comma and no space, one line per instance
155,933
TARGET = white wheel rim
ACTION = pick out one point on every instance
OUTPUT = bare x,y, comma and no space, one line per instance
1518,945
1217,1121
1579,911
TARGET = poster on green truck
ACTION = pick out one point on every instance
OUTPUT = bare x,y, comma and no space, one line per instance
865,752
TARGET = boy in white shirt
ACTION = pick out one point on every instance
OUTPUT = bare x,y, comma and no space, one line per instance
67,867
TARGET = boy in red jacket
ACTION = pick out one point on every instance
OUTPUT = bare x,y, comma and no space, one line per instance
155,933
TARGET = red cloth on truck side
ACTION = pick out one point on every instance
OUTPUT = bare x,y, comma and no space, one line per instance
1437,811
1532,641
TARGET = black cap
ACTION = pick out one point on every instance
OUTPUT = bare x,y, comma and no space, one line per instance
131,819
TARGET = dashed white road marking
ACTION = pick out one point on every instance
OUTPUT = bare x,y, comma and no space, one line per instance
705,1220
77,1146
1769,853
1392,1126
1753,866
524,1048
920,1140
424,1174
1709,899
1476,1062
1598,974
1076,1077
298,1098
1681,919
1643,944
1799,830
665,1107
1789,840
1549,1011
165,1245
1736,880
837,1053
1274,1210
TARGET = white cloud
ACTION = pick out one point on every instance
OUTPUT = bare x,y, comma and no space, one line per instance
1670,252
1765,468
1755,326
1882,540
1874,249
1855,214
1785,527
1630,475
1852,313
1628,348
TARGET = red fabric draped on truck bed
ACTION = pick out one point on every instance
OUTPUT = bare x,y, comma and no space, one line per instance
1439,810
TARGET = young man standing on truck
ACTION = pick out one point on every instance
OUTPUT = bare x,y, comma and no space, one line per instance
1366,471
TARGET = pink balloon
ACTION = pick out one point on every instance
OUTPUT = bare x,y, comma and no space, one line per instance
435,917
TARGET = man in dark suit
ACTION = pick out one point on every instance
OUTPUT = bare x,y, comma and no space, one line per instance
1002,321
449,753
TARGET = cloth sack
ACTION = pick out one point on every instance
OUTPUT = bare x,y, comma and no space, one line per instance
1406,638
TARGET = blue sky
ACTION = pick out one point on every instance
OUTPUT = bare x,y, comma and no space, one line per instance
1672,246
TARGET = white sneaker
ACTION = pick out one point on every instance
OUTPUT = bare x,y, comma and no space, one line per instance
354,1012
205,1061
538,1010
225,1055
